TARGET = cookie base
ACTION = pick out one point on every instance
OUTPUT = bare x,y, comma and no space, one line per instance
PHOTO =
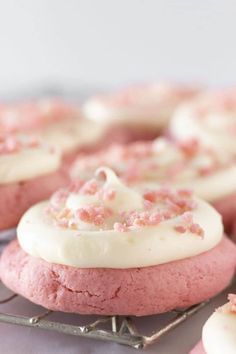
226,206
134,291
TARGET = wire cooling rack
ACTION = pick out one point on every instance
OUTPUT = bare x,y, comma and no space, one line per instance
121,330
118,329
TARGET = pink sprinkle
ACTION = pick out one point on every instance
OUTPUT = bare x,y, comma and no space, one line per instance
109,194
75,186
155,218
186,193
93,215
180,229
187,218
34,115
189,147
188,225
204,171
10,145
150,196
120,227
197,230
90,187
166,214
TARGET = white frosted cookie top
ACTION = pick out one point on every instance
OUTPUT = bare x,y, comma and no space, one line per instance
24,158
34,115
72,134
53,121
188,164
105,223
150,105
219,332
210,117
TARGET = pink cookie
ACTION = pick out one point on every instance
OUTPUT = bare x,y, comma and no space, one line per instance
125,135
198,349
133,291
226,206
17,197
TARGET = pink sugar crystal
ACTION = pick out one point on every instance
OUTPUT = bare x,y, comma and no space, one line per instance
10,144
109,194
93,215
187,224
189,147
196,229
90,187
75,186
180,229
34,115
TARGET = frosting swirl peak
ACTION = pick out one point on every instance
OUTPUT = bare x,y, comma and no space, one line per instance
112,205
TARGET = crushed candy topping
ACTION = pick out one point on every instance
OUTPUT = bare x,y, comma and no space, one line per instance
11,144
187,224
33,115
162,161
97,203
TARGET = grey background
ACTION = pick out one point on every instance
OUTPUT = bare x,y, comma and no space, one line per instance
100,43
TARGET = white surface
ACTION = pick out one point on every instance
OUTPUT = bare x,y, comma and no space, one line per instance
109,42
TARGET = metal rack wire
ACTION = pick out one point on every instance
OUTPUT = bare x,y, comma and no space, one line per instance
122,329
118,329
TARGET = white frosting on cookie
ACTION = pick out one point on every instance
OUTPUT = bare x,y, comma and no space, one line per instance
219,332
210,174
210,118
148,105
27,162
54,122
115,226
210,188
72,134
